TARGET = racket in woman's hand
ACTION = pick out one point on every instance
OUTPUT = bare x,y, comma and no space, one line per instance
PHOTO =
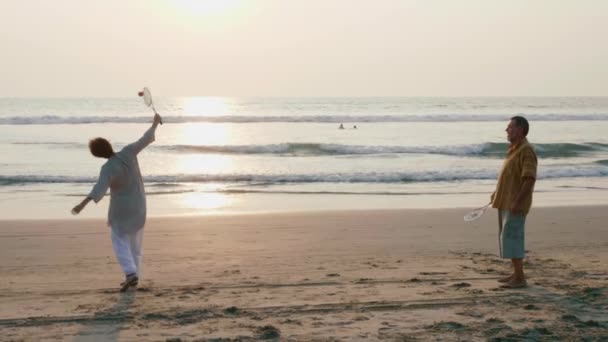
476,213
147,95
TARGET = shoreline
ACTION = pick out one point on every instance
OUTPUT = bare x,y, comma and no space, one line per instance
53,206
312,212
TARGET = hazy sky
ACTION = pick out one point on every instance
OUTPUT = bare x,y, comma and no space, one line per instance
304,47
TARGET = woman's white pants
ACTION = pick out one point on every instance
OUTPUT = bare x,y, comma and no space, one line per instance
127,247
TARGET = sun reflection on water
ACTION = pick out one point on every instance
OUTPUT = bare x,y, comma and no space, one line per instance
206,106
199,200
195,161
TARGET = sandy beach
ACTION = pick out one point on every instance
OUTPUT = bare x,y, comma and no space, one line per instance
302,171
395,275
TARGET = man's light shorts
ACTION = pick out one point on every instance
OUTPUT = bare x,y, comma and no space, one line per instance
513,227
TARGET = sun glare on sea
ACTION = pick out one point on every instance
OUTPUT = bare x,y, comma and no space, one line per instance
196,134
197,160
205,200
203,142
205,164
199,157
205,106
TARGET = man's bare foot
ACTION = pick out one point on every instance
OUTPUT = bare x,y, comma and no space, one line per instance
506,279
515,284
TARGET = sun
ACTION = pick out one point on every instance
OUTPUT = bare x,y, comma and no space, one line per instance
206,7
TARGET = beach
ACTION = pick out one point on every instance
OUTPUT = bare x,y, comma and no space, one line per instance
304,170
394,275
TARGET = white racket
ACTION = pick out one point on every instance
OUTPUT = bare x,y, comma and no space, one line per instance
476,213
147,95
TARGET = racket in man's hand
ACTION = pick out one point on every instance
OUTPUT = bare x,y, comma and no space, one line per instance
476,213
147,95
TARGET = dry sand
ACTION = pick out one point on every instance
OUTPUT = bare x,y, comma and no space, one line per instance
395,275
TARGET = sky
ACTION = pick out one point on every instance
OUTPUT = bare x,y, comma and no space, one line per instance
74,48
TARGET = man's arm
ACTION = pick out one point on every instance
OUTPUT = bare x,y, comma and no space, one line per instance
77,209
525,190
529,164
147,138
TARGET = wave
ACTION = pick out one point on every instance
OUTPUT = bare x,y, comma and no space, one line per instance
313,192
297,192
550,150
572,171
56,120
43,143
150,193
582,187
318,149
496,150
489,149
381,193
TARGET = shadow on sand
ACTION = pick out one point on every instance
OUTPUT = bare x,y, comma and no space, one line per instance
107,324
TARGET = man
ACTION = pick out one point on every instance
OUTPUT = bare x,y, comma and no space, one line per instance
513,198
127,212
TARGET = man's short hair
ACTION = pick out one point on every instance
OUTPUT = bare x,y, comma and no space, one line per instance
101,148
520,121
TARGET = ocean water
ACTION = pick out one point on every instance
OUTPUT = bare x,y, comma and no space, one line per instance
237,155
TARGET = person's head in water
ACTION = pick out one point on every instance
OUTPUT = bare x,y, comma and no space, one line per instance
517,129
101,148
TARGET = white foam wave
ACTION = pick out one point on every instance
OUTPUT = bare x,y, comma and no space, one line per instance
328,149
55,120
569,171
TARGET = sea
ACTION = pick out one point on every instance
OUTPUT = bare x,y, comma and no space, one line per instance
220,155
